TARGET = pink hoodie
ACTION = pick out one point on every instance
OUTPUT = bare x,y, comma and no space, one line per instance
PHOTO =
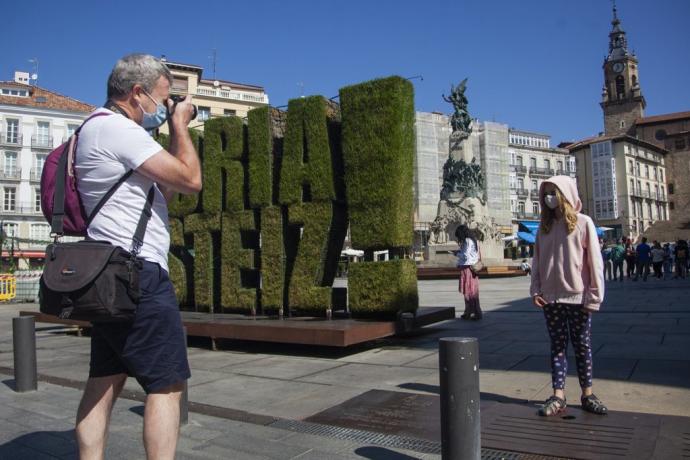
567,265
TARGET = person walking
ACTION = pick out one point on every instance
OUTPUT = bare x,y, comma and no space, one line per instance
668,261
152,347
681,259
657,259
630,257
568,285
468,255
617,258
644,257
606,256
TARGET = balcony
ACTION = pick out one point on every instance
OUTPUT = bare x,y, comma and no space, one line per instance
13,140
520,169
10,174
565,172
20,211
534,194
526,215
35,175
233,95
545,172
42,142
660,197
521,192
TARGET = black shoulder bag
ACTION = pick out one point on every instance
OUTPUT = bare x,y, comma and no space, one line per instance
91,280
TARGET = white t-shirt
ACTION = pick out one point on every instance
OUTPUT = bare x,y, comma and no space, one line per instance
108,147
468,254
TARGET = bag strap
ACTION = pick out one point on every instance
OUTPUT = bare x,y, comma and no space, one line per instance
56,225
138,239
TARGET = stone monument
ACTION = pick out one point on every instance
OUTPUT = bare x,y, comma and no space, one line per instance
463,194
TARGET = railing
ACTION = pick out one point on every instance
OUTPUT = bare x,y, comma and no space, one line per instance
541,171
233,95
35,174
42,142
14,140
565,172
526,215
521,192
20,210
520,169
534,193
660,196
11,174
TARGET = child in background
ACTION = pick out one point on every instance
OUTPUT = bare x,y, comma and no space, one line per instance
568,285
468,255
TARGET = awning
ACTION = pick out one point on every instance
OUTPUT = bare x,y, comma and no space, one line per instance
526,237
529,226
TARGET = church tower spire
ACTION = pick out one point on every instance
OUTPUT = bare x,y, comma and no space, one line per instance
622,100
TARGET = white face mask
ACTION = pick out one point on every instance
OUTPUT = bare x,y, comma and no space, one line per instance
551,201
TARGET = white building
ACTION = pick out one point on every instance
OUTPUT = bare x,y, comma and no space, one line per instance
33,121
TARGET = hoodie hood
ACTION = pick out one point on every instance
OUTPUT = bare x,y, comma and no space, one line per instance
568,188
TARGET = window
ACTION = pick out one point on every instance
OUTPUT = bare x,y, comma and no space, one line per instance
646,170
656,191
533,162
535,208
547,164
9,228
15,92
12,131
40,232
637,169
204,113
680,144
518,161
71,129
9,167
632,186
671,205
670,189
661,174
622,123
179,84
656,175
649,211
634,208
9,199
620,87
559,165
534,185
37,199
229,112
521,207
513,205
43,133
521,183
631,166
37,169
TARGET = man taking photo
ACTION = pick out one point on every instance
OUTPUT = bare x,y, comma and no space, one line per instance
151,348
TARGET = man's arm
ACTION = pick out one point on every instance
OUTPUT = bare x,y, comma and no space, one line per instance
178,169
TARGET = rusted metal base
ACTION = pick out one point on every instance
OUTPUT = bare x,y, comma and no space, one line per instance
299,330
445,273
518,428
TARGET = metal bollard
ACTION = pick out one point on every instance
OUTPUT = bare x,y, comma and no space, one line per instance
24,342
184,398
459,379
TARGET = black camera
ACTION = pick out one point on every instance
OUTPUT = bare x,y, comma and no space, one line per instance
179,98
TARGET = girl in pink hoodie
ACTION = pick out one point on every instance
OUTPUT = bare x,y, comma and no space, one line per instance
568,285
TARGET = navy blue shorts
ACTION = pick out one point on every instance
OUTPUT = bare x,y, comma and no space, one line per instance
151,348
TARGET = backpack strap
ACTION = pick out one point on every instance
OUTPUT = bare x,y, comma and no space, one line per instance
56,225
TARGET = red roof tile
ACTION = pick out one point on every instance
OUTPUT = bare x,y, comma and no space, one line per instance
53,100
662,118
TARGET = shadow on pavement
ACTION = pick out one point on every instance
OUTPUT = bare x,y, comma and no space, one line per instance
41,445
381,453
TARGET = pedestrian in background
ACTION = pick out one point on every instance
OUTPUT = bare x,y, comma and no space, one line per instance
606,256
668,261
681,259
644,256
568,285
630,257
657,259
617,258
468,255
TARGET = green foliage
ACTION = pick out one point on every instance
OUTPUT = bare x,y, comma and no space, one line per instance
382,288
378,149
223,154
202,227
306,289
306,160
260,156
233,259
272,260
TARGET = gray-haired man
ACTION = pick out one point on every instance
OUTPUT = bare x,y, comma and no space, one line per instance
151,348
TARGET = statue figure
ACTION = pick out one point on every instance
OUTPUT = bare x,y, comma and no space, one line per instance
459,176
460,120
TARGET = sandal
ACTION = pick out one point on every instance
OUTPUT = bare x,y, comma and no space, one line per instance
465,316
593,404
552,406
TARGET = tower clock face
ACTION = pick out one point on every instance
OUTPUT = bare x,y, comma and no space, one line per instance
618,67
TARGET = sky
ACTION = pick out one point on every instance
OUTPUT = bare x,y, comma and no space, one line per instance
532,64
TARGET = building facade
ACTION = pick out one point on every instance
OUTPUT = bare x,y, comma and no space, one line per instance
625,183
214,98
33,121
532,159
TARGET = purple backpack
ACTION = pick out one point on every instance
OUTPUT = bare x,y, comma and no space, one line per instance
69,216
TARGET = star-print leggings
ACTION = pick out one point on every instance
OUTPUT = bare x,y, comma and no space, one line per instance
563,320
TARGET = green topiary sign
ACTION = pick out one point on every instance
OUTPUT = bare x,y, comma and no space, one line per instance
264,235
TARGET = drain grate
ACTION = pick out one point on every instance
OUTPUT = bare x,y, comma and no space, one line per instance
389,440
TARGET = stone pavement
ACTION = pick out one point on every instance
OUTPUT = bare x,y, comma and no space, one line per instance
246,396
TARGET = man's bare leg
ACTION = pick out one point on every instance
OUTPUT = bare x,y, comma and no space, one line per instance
162,422
93,416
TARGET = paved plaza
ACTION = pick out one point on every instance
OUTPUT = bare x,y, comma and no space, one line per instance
247,398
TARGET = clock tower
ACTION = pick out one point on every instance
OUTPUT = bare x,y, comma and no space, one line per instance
621,97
